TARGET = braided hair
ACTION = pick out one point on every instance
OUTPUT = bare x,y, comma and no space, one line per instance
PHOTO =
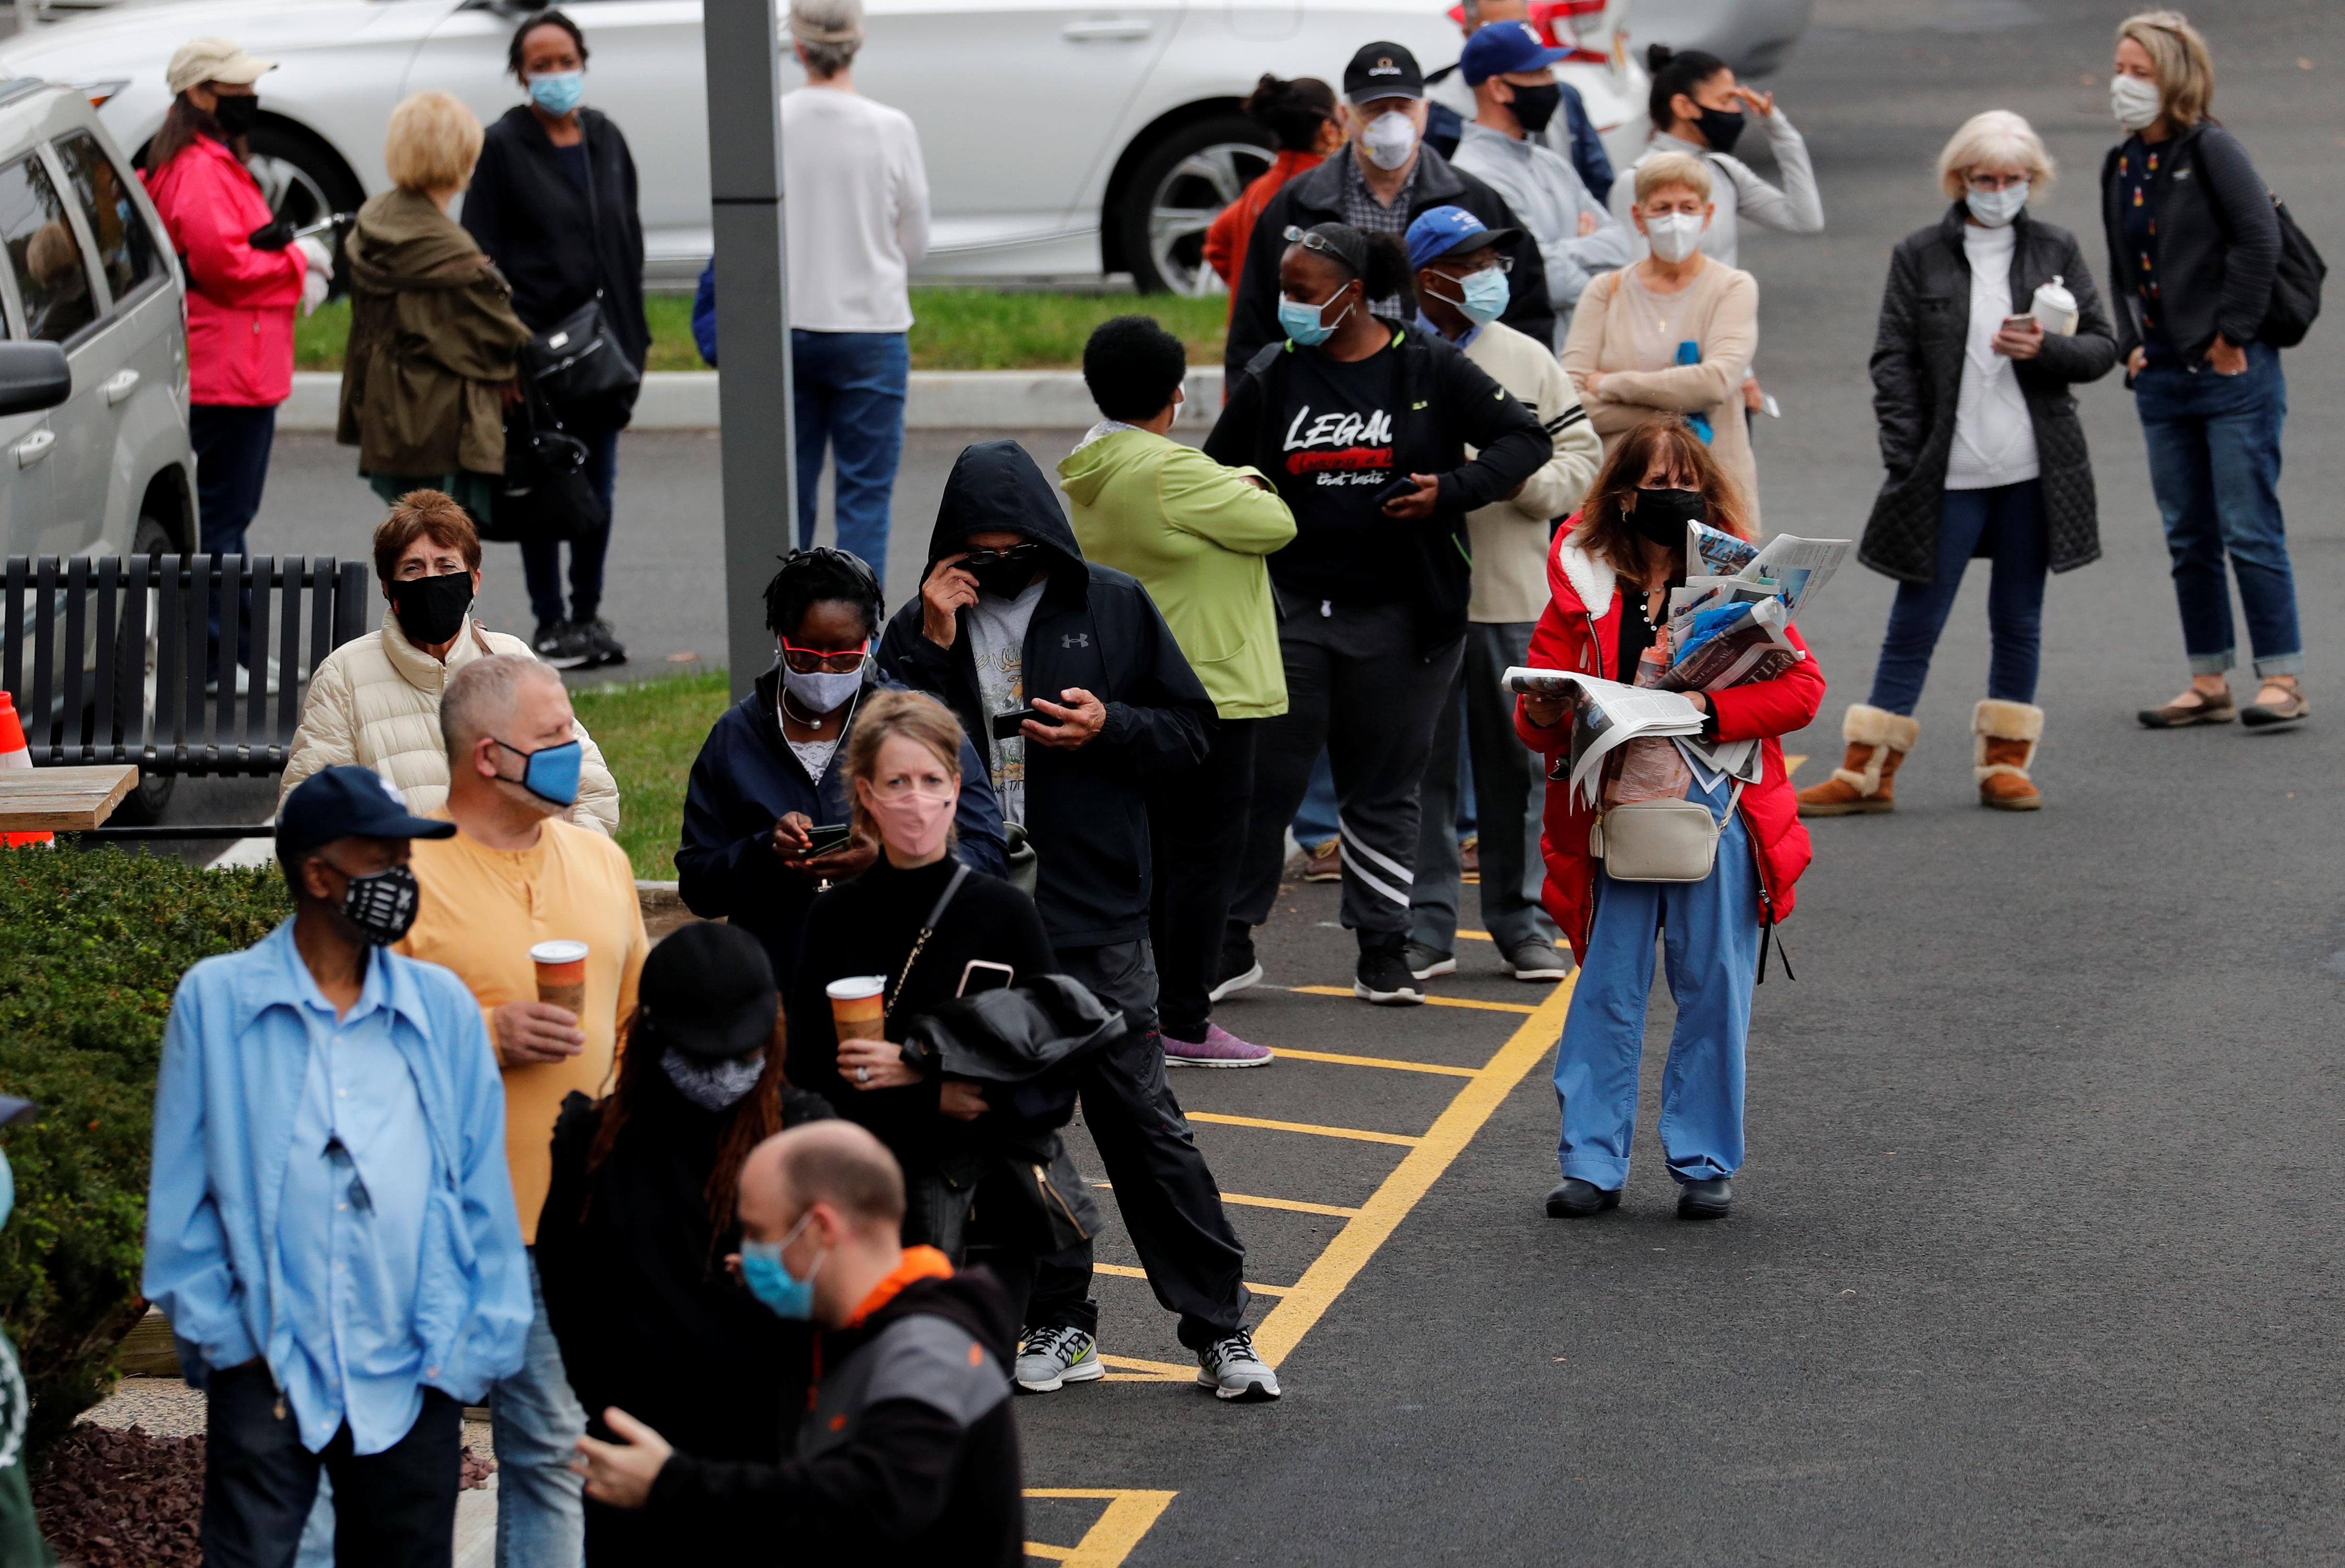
821,577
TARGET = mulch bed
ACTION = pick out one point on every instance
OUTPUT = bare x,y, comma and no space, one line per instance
122,1499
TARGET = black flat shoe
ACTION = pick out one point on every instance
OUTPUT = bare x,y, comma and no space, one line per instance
1575,1199
1710,1200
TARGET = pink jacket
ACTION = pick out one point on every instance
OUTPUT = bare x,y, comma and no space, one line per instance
240,301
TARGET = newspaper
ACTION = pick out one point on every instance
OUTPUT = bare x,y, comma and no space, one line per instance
1731,645
1606,716
1800,567
1715,550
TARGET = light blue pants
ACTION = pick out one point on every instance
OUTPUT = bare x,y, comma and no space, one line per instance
1710,938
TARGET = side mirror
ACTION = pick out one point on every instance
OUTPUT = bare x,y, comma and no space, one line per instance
33,376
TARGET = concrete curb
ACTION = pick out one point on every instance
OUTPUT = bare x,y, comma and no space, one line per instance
938,400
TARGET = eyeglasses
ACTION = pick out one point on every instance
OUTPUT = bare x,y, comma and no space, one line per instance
1310,240
1018,555
1495,263
903,787
1993,182
832,661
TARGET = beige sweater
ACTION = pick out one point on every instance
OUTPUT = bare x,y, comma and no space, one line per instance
1510,537
1631,334
375,701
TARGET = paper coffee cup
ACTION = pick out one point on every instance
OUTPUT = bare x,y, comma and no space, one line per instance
560,973
859,1005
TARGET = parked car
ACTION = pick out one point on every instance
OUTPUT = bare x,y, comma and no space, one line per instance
1752,36
1063,137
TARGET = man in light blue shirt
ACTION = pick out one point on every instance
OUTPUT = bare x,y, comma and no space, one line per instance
331,1226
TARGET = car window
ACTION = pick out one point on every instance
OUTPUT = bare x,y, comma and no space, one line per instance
43,254
125,250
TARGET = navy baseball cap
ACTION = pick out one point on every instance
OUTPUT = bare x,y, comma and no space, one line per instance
348,802
1438,230
1503,47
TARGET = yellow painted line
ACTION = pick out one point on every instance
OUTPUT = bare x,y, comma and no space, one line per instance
1429,1002
1477,936
1357,1134
1285,1052
1332,1272
1129,1516
1296,1204
1155,1370
1792,761
1123,1272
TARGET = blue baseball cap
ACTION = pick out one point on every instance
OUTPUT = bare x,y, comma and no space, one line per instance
348,802
1503,47
1438,230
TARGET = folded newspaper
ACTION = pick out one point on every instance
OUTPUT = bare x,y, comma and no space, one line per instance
1606,715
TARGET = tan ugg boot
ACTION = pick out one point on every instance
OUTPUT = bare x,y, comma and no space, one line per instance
2007,733
1878,742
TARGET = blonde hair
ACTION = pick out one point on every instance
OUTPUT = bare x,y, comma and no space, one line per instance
432,143
2185,70
1997,138
883,716
1664,169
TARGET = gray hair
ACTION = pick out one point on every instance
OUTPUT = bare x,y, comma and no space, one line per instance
1996,138
829,31
481,697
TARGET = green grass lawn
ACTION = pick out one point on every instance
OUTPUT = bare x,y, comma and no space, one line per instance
954,329
650,731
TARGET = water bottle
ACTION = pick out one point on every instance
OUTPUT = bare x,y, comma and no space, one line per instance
1689,354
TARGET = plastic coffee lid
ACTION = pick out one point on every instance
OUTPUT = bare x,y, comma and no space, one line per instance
558,952
855,987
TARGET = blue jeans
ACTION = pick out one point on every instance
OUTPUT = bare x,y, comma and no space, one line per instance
232,445
2010,519
1709,937
849,389
541,559
2214,463
534,1425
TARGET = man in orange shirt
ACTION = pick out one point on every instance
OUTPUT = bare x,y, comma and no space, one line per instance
514,876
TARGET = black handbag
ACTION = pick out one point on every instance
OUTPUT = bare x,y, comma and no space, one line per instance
578,364
545,493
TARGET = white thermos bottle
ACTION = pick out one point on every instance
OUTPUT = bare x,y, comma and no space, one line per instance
2054,308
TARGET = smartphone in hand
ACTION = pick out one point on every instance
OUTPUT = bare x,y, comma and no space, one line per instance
1006,725
823,839
1399,487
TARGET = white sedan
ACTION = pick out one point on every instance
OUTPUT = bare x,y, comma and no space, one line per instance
1063,137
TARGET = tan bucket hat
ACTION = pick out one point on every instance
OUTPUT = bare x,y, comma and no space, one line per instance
201,60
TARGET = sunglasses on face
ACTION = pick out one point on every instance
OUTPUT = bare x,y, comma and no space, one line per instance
1016,553
834,661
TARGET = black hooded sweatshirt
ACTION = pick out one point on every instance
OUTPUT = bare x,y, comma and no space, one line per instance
906,1453
1096,628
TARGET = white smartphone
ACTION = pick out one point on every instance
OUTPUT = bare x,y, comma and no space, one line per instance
986,976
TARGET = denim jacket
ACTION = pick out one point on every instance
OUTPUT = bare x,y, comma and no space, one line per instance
234,1057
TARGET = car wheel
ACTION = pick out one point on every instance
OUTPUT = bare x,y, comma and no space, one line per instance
301,176
134,685
1180,189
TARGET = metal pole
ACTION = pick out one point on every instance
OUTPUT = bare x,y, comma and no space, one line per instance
753,339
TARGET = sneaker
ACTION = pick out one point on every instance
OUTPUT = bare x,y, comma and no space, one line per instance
603,644
1537,961
562,644
1383,978
1469,859
1239,968
1425,962
1234,1370
1220,1048
1049,1358
1322,862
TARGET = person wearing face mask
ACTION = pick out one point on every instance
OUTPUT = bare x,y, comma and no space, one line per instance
772,775
1301,115
1611,578
1674,333
640,1216
554,204
375,700
1569,131
1998,469
1378,183
20,1528
908,1451
513,877
2210,284
1460,286
1515,96
330,1221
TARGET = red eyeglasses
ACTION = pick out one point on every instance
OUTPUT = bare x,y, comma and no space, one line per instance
832,661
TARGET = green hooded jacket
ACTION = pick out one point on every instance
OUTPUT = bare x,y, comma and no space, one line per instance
1197,536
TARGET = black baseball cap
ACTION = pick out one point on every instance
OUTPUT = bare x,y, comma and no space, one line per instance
708,990
348,802
1382,71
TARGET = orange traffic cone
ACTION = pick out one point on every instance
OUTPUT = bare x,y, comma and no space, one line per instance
15,753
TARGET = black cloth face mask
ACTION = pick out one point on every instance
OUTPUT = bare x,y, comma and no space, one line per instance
382,905
430,610
1004,573
1661,514
1534,107
235,112
1721,128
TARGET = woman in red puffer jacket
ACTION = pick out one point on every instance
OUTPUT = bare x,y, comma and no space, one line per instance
1627,543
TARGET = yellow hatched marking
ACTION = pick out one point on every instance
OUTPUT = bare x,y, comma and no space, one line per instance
1129,1516
1295,1204
1792,761
1332,1272
1285,1052
1123,1272
1358,1135
1166,1371
1477,1005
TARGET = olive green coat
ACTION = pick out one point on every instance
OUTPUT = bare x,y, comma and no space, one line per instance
432,340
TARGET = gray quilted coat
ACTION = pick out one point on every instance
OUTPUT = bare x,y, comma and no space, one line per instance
1917,368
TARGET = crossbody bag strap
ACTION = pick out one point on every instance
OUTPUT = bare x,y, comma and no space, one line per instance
928,930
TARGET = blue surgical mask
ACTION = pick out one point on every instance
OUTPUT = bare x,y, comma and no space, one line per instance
1996,208
551,775
1482,296
769,1278
1302,323
558,92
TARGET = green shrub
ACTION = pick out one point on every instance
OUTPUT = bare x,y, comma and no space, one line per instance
91,948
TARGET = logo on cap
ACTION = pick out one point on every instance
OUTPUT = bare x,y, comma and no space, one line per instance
1384,67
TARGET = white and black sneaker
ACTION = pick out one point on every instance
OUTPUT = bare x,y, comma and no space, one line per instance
603,644
1238,968
1383,977
1424,962
1233,1369
1049,1358
563,645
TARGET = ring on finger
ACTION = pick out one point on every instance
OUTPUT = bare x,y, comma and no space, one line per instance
863,1074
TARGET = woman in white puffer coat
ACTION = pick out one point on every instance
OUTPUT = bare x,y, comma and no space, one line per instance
375,700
